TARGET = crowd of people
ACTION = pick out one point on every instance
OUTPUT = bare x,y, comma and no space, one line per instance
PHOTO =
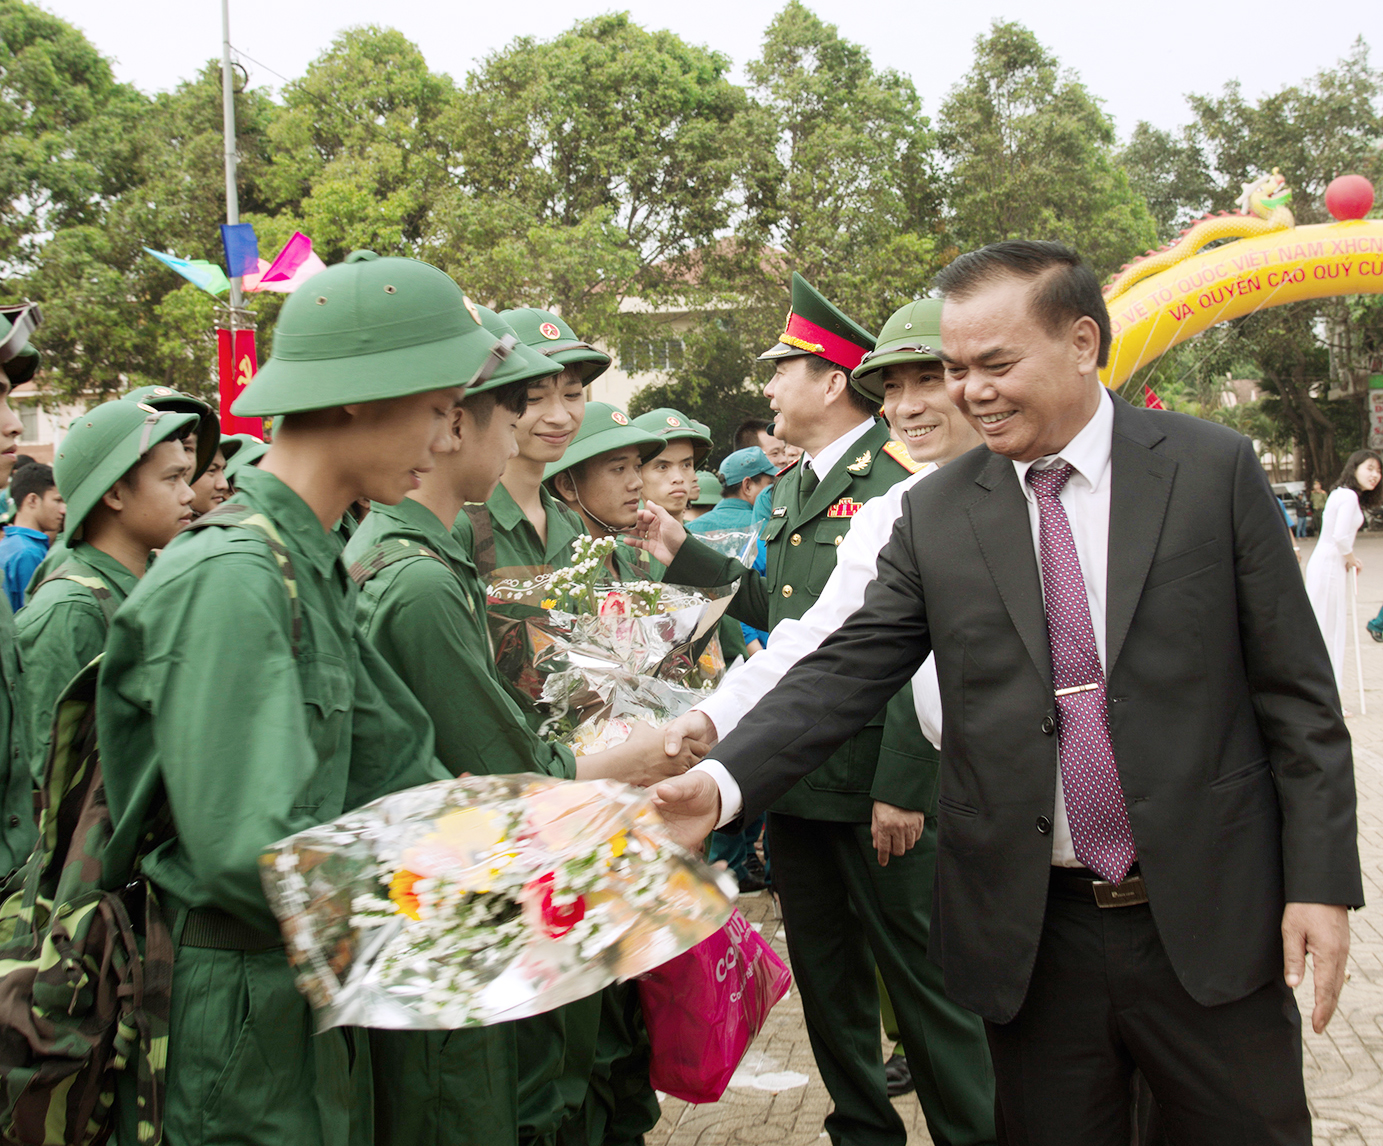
1028,710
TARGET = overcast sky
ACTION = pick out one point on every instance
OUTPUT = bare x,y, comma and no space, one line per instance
1141,58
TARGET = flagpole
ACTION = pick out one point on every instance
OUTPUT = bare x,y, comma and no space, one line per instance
228,129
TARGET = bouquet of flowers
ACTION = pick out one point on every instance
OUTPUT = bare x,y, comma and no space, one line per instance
482,899
590,655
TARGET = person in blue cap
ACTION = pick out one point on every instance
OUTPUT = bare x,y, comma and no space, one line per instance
746,472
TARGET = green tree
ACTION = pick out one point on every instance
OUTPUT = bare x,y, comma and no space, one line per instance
836,183
1169,169
592,165
65,129
1030,154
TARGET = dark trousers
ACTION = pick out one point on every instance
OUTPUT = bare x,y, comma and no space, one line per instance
844,914
1104,1001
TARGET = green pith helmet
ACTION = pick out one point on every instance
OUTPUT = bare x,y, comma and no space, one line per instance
19,359
816,326
673,426
368,329
604,428
246,451
520,363
710,487
208,429
913,334
546,333
102,446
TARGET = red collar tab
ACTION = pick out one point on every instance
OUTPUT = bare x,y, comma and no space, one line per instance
806,335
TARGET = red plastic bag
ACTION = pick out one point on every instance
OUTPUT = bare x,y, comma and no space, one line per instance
704,1008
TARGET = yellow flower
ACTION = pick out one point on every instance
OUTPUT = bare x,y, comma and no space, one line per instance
401,892
618,842
549,603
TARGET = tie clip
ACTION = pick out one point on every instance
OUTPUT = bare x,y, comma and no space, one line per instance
1076,688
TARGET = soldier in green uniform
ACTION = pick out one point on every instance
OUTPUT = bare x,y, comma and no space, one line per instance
522,524
600,479
422,605
212,488
824,863
242,450
18,362
123,471
301,719
668,477
706,495
201,441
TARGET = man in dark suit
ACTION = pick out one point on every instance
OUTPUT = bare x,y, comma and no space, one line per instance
1147,812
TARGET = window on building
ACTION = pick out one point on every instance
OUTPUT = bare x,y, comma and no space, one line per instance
650,355
28,417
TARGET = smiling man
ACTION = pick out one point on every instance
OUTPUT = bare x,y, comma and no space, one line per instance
1147,809
821,833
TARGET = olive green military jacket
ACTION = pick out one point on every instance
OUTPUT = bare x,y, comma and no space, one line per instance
17,830
889,760
515,541
426,616
201,701
61,630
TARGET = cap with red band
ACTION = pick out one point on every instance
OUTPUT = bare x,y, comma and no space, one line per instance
816,326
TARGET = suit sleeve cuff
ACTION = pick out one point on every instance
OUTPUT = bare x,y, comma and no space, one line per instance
731,802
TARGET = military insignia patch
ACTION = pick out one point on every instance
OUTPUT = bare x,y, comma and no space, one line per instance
899,453
673,422
617,416
780,511
549,331
470,306
845,507
861,463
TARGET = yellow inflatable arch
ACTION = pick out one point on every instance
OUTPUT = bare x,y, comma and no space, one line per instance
1173,295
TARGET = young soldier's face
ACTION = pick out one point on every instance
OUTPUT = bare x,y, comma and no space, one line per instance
922,414
154,500
49,510
485,450
668,480
555,408
212,488
610,485
395,441
10,429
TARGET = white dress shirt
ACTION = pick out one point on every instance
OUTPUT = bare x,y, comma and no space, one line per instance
821,464
1085,497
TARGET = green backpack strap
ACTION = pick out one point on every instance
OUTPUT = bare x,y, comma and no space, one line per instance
94,585
236,515
385,553
482,538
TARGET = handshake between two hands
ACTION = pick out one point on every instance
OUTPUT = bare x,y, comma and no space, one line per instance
690,801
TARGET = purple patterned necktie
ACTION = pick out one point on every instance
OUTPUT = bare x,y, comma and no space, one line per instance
1095,806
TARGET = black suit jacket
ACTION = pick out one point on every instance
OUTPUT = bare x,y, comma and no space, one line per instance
1233,755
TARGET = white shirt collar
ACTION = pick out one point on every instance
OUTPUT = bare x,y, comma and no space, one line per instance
825,461
1087,452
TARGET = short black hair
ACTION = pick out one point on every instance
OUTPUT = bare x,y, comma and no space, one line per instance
819,367
748,432
23,460
1368,498
512,397
33,478
1065,288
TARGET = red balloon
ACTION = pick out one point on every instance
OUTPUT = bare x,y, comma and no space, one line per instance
1349,197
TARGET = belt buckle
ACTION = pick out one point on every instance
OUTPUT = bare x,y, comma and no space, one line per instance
1127,893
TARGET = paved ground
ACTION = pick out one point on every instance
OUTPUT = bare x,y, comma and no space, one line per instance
777,1096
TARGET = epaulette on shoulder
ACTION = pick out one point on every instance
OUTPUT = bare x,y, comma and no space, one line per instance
899,453
789,466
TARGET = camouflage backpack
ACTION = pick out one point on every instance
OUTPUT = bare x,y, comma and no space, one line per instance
85,991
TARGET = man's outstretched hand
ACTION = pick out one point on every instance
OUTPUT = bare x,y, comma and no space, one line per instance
694,725
657,533
690,805
1323,930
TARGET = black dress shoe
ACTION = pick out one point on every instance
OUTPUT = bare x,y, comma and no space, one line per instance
750,884
898,1075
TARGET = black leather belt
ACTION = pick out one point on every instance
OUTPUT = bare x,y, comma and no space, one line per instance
221,931
1128,892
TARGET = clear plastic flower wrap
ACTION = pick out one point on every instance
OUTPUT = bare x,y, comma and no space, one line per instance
483,899
585,652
